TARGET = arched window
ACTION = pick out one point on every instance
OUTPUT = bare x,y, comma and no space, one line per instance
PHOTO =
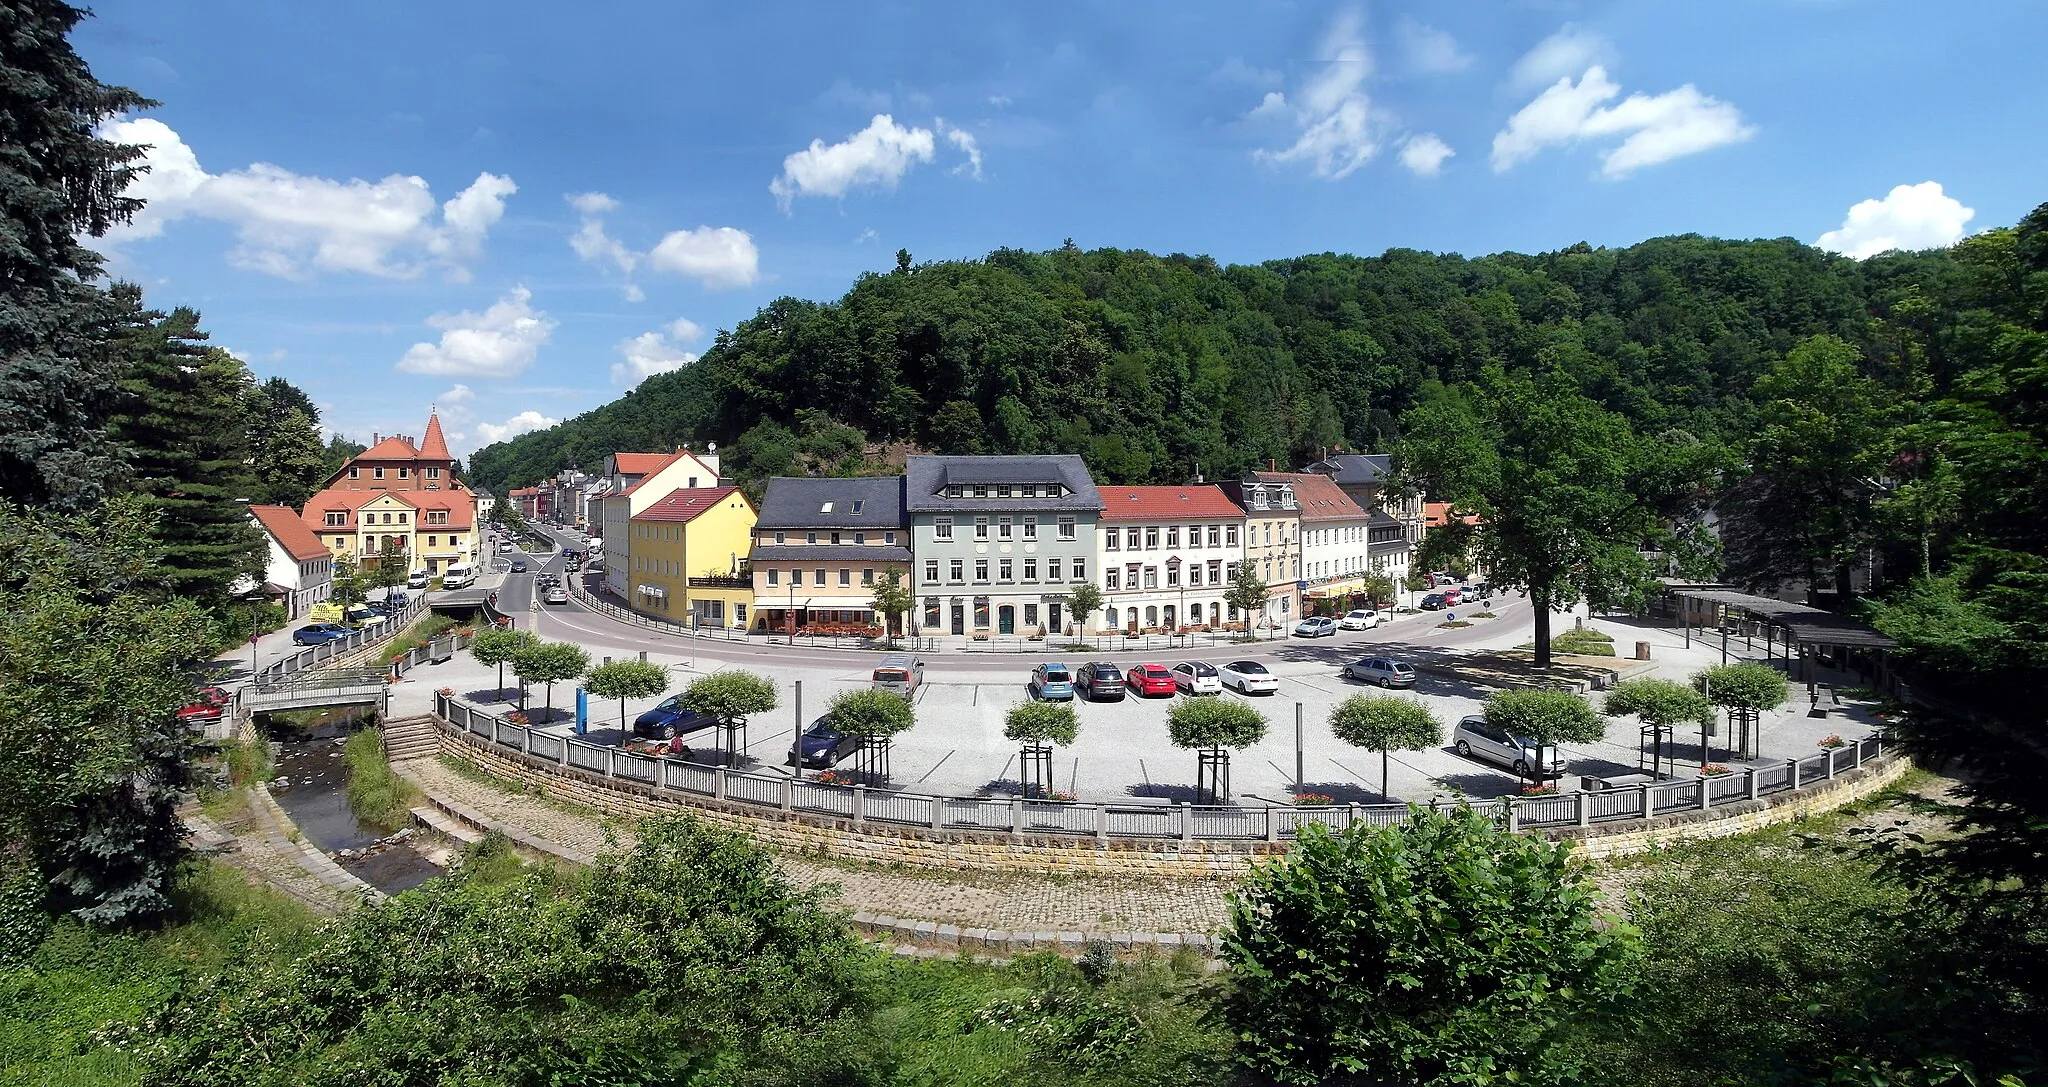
1152,617
1109,618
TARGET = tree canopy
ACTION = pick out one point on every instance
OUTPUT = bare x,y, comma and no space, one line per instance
1384,725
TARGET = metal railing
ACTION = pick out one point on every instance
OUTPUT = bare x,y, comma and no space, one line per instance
312,657
1019,818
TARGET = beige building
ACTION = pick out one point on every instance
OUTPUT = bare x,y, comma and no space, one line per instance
1272,542
820,548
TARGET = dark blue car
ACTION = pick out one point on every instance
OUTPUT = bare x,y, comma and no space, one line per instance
822,745
318,633
671,719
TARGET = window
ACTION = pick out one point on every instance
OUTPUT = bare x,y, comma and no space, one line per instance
1052,569
1173,575
355,473
1080,570
835,538
1151,577
433,473
955,572
1230,535
1031,490
931,570
1002,490
859,504
1151,537
1066,528
981,491
810,537
981,570
1173,536
1131,539
379,473
1031,569
1002,528
820,579
889,538
1030,615
437,517
1109,578
867,576
1194,573
981,611
1110,538
942,529
404,473
1007,570
981,528
1215,535
845,577
774,577
1030,528
337,518
860,537
1194,535
781,537
931,611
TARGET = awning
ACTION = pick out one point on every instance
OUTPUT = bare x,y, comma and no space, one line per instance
1806,624
655,591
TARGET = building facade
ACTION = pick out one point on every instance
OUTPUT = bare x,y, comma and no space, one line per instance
820,548
1336,536
398,499
1272,542
1166,556
300,573
633,482
688,553
999,542
1366,477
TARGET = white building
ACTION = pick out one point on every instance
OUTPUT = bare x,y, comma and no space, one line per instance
300,573
1167,555
635,481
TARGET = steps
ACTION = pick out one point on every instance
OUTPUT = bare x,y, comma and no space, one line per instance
411,738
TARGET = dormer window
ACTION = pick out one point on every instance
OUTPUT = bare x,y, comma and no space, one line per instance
355,473
981,490
826,508
1002,490
859,504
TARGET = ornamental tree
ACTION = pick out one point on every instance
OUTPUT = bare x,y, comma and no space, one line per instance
1083,601
1547,717
890,600
1386,724
1745,690
1443,950
1212,726
500,646
1661,704
1247,593
874,716
625,679
549,663
730,697
1038,726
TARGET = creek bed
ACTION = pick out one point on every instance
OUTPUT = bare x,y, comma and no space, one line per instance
311,787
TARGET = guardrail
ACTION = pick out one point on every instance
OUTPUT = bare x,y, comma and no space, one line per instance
313,656
1185,822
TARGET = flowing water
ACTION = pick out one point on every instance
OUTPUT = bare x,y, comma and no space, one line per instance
311,787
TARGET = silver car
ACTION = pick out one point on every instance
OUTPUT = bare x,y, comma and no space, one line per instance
1474,736
1383,671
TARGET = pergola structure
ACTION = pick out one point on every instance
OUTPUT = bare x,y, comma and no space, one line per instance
1809,636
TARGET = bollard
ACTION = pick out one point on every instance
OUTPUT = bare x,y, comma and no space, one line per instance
1514,813
1016,818
1187,822
1749,786
1584,809
860,806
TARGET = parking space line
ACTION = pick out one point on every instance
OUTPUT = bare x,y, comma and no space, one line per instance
935,766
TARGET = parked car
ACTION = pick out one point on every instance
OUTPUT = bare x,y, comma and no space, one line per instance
1433,602
208,705
821,745
1316,626
1382,671
898,672
1482,589
1100,681
1051,682
1474,736
1361,619
417,579
669,719
1149,679
1197,677
557,595
363,615
316,633
1249,677
1453,597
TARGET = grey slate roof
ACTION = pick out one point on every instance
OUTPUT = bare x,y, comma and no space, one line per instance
1355,468
799,502
828,552
926,477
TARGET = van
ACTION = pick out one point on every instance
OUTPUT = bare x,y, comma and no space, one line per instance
899,672
458,575
416,580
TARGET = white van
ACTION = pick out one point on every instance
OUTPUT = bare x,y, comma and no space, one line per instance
416,580
458,575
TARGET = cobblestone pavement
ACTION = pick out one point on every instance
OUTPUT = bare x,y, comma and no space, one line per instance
964,898
249,840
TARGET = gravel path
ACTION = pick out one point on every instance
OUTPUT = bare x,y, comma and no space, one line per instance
987,900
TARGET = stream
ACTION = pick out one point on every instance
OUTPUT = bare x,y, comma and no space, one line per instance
311,787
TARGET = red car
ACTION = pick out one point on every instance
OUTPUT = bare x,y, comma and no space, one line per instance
209,706
1150,679
1453,596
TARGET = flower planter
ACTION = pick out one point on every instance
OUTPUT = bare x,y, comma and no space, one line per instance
1832,742
1714,770
1313,800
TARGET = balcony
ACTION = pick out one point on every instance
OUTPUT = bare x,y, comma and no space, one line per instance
722,582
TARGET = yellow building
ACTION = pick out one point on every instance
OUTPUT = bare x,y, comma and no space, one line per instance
687,554
394,495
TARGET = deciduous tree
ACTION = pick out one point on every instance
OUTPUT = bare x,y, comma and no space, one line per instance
624,679
1214,725
499,647
1663,705
891,599
1546,717
1384,725
549,663
1038,726
876,717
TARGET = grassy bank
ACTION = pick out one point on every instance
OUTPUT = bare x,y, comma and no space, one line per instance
433,626
379,797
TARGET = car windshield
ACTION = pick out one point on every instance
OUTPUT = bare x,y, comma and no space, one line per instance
822,731
1250,668
1358,615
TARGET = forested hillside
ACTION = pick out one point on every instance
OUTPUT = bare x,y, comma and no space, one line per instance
1151,365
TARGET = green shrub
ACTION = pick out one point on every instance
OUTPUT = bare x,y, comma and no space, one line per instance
378,796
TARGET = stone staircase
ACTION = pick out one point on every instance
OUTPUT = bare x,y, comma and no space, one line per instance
411,738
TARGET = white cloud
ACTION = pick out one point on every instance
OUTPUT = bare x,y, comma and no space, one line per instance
656,352
1235,70
999,101
866,235
1340,128
876,157
592,243
1425,154
1909,217
1567,52
714,256
499,342
457,396
1655,128
521,423
289,225
1428,49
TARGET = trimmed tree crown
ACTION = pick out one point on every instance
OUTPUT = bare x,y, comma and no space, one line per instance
1386,724
1213,722
1747,686
550,662
627,679
871,714
1549,716
1658,702
500,646
730,696
1042,722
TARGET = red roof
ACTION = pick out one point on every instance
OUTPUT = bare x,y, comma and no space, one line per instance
461,507
1318,496
684,504
290,533
641,464
433,446
1440,513
1203,500
392,448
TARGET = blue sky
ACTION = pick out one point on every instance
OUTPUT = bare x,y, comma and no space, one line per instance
517,212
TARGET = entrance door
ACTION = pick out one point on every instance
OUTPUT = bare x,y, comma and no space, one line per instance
959,617
1006,620
1052,617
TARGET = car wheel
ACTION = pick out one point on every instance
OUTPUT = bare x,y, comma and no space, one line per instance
1521,767
1384,684
1463,749
668,732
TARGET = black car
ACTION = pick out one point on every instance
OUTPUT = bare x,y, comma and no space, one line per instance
1433,602
1100,681
823,746
518,566
671,719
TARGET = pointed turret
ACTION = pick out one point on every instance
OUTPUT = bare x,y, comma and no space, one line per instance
434,447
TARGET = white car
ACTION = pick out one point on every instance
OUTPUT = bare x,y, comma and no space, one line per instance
1361,619
1249,677
1197,677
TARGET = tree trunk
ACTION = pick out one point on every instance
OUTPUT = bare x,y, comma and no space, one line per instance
1383,775
1539,595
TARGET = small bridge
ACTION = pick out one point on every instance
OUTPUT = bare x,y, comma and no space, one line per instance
326,687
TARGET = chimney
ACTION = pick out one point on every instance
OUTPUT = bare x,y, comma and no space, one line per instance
375,437
1272,465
